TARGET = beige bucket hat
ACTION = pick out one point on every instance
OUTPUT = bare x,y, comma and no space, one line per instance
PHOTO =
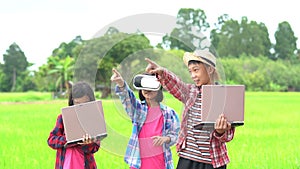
203,56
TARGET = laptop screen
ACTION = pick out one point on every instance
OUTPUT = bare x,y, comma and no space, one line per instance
81,119
227,99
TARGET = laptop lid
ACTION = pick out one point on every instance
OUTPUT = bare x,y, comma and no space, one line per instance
81,119
227,99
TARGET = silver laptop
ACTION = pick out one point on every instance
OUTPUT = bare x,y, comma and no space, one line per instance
227,99
81,119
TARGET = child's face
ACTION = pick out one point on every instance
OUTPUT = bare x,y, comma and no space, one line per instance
199,74
80,100
149,95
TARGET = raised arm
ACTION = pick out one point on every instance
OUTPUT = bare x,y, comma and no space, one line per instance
132,106
169,81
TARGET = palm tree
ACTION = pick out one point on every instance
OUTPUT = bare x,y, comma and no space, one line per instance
63,69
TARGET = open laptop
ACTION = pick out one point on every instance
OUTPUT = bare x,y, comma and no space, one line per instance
81,119
227,99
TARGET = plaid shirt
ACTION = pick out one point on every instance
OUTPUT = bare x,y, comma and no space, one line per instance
187,94
137,111
57,140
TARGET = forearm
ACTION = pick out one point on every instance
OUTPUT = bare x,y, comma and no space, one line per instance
129,101
226,136
56,142
91,148
171,140
174,85
173,127
56,138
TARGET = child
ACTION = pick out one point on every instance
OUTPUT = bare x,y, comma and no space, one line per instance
197,148
80,156
155,127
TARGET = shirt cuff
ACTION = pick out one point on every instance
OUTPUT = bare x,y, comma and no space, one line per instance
119,90
218,136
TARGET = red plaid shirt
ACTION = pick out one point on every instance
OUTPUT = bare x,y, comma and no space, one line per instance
187,94
57,140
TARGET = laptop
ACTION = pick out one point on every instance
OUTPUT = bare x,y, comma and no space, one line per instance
227,99
81,119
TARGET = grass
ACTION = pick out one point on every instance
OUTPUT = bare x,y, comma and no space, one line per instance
25,96
270,136
269,139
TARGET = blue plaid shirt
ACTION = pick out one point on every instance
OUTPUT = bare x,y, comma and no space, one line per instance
137,111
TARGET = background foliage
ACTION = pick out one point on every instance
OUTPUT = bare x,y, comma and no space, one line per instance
243,47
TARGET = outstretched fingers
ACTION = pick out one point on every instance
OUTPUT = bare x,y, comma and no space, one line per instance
115,72
153,67
117,78
150,61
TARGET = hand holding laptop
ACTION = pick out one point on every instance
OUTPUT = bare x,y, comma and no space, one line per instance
87,139
222,99
222,124
84,123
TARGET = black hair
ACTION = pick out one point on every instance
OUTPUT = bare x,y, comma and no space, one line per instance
194,62
79,90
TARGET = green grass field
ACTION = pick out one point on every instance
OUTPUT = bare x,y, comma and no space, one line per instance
269,139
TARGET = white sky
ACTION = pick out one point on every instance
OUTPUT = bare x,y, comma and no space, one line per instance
39,26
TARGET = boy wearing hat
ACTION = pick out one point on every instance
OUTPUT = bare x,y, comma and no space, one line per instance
203,148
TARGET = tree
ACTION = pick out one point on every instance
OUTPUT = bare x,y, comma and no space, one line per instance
15,63
233,38
2,79
112,30
42,80
59,66
255,38
128,45
71,49
101,54
63,70
286,42
188,36
215,39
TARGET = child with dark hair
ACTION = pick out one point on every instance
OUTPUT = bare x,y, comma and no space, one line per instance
155,127
80,156
203,148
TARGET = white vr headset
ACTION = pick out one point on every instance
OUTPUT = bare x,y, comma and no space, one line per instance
146,82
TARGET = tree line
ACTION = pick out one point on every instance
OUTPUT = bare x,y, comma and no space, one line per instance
243,47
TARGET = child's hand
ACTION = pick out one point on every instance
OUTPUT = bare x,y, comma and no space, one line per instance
222,124
87,139
153,67
160,140
117,78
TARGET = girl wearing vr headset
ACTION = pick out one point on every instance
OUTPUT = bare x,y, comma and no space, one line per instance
155,126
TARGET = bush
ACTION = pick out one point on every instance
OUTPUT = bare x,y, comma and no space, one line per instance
261,73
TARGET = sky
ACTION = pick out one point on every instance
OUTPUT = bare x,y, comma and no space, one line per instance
40,26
